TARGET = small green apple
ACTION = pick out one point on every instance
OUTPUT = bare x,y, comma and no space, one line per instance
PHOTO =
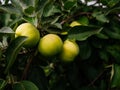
70,51
50,44
74,23
30,31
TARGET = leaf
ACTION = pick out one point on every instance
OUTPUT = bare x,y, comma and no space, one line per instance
73,74
25,85
10,9
4,41
57,25
50,10
33,20
26,3
54,28
17,4
113,10
82,32
12,51
114,51
104,56
23,4
112,3
102,36
3,83
40,80
68,4
85,51
15,21
29,11
83,20
115,80
100,17
114,35
6,30
5,19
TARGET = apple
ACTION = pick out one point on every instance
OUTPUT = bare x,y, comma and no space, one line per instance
69,51
50,45
30,31
74,23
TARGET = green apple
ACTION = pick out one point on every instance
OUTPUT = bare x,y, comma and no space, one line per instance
70,51
50,44
74,23
30,31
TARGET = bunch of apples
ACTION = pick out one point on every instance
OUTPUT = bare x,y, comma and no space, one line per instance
48,45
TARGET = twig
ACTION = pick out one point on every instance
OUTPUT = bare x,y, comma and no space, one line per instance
27,66
99,75
73,16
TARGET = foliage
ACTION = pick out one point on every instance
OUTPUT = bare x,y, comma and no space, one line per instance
97,67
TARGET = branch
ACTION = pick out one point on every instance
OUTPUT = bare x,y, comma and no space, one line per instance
99,75
73,16
28,65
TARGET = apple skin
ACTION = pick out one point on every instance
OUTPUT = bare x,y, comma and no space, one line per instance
30,31
50,45
70,51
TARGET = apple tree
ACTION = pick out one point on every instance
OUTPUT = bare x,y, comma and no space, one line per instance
93,26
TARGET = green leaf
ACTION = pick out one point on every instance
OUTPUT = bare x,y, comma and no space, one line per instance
50,10
14,21
57,25
113,10
29,11
5,19
85,51
23,4
25,85
112,3
3,83
83,20
100,17
17,4
54,28
40,80
12,51
33,20
104,56
6,30
114,51
102,36
114,35
26,3
68,4
82,32
10,9
72,74
115,80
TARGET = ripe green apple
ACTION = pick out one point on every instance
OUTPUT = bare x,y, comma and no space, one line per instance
30,31
74,23
70,51
50,44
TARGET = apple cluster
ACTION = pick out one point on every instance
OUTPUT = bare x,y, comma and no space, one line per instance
48,45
